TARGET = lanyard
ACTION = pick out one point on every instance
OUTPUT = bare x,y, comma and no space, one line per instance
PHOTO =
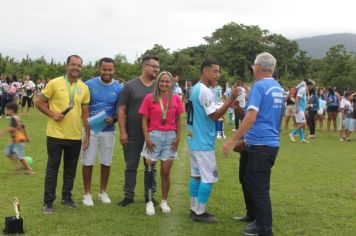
163,109
71,93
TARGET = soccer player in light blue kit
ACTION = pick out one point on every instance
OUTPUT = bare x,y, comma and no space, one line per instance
104,96
202,115
300,107
260,129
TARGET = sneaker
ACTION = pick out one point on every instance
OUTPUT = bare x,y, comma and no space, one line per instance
311,136
347,139
150,209
164,206
48,208
205,218
251,229
233,130
223,136
88,200
304,141
155,203
104,198
244,218
191,213
341,139
291,136
70,203
126,201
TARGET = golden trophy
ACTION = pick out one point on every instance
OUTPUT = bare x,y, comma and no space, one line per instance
14,224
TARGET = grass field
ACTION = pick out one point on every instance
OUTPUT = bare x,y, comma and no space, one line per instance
313,191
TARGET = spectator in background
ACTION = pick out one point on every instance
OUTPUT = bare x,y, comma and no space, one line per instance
186,94
332,103
176,89
321,111
313,108
28,89
289,112
344,118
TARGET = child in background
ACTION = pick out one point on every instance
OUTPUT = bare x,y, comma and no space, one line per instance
15,150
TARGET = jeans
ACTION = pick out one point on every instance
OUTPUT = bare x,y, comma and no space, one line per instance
55,148
132,153
257,182
311,121
247,197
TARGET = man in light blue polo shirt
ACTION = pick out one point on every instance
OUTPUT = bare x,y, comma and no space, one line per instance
260,129
201,139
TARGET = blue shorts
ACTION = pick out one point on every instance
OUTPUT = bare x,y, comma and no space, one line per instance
16,150
162,150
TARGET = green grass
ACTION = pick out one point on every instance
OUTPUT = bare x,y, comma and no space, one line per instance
313,191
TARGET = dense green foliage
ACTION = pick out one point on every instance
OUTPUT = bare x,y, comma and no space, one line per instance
234,46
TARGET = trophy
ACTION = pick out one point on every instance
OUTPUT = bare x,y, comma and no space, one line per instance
14,224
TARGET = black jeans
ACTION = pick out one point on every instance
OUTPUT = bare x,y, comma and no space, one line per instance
311,121
132,154
247,197
55,148
257,182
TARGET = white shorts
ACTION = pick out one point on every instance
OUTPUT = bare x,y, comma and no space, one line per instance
353,125
344,124
102,141
203,165
300,117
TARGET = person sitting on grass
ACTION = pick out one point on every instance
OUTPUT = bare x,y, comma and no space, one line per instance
19,135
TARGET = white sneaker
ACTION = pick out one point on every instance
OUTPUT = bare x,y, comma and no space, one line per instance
150,209
291,136
164,206
104,198
88,200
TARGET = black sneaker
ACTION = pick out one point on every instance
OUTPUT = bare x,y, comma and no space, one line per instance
205,218
245,218
251,229
70,203
155,203
48,208
126,201
191,213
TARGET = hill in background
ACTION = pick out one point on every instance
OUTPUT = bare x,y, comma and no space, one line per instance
317,46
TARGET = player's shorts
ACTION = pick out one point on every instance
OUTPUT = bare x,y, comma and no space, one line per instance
290,110
300,117
203,165
162,150
16,150
103,142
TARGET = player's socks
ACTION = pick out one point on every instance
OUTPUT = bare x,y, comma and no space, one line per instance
301,133
294,132
194,185
204,194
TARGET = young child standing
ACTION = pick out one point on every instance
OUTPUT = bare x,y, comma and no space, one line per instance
19,136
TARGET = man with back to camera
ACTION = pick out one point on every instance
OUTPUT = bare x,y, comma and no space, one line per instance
65,101
104,97
264,112
130,122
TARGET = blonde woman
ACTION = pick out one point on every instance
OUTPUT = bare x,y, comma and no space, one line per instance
161,112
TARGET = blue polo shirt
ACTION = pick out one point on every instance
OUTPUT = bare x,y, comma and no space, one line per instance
104,97
266,97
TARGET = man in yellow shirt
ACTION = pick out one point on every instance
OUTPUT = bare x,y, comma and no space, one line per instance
65,101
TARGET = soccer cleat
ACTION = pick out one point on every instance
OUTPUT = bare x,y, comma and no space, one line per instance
204,218
88,200
104,198
164,206
150,209
291,136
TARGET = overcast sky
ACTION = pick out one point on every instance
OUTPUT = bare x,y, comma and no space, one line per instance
94,29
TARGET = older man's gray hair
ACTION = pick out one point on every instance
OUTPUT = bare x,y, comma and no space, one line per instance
267,61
